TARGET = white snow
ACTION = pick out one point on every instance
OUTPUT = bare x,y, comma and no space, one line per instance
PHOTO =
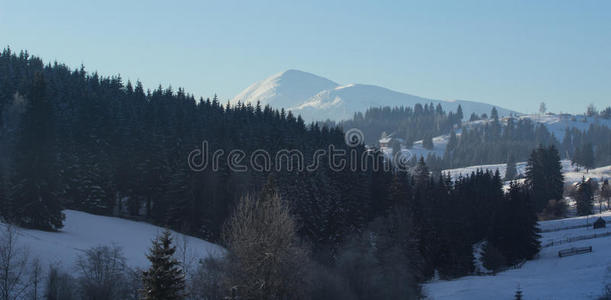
546,277
83,231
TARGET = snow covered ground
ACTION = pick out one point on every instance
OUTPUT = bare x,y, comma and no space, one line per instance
546,277
83,231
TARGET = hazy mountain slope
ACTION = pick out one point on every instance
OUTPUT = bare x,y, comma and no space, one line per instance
317,98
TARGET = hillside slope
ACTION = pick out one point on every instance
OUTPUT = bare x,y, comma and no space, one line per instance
555,124
547,277
83,231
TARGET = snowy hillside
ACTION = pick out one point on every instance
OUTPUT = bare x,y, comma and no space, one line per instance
83,231
556,124
581,276
316,98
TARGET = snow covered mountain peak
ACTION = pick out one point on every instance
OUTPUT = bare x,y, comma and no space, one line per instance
316,98
287,89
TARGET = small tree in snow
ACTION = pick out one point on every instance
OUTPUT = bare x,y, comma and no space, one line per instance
165,279
518,295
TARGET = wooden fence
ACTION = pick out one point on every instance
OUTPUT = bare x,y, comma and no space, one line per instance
576,238
574,251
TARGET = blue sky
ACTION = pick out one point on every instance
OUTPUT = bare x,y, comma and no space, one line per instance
513,54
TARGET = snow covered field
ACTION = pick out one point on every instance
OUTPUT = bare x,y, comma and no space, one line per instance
548,276
83,231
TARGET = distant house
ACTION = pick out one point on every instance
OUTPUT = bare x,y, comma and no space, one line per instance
600,223
385,141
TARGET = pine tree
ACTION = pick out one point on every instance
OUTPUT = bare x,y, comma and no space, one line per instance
544,176
515,230
585,197
33,199
518,295
164,280
422,175
494,114
605,192
510,171
427,142
587,156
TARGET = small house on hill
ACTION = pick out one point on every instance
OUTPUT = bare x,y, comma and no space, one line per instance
600,223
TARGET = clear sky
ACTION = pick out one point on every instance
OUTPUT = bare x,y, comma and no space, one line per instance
513,54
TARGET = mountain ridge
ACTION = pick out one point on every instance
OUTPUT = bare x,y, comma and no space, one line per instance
316,98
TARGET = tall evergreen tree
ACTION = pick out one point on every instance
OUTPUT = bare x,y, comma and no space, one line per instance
165,279
494,114
422,174
34,201
427,142
544,176
515,230
584,156
584,197
510,170
605,192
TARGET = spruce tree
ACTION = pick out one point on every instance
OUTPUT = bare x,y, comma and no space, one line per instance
587,156
422,174
33,195
494,114
605,192
164,280
584,197
510,171
515,230
427,142
544,176
518,295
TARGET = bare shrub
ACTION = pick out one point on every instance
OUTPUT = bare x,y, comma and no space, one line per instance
555,209
59,285
265,260
102,273
207,282
14,283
